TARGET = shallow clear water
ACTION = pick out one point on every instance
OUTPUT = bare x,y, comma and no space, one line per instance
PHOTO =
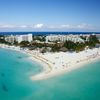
15,84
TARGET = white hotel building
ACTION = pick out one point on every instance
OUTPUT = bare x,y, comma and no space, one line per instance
19,38
63,38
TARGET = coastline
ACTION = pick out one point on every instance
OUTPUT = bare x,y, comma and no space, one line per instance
42,76
32,56
51,69
73,66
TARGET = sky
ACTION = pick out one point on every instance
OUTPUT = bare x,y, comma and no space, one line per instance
50,15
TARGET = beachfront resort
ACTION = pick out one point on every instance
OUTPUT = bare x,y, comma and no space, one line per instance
56,53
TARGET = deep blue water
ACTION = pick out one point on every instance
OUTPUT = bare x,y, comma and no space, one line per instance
46,33
15,84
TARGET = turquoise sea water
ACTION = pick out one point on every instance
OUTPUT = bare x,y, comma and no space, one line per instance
15,84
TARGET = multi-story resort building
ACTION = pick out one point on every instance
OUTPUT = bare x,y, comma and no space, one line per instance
10,38
63,38
50,38
19,38
98,36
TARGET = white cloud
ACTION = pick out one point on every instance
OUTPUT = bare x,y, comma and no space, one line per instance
7,26
77,26
23,26
68,26
38,26
82,26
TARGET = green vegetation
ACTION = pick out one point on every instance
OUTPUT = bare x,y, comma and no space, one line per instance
2,40
92,41
55,48
71,46
24,44
39,38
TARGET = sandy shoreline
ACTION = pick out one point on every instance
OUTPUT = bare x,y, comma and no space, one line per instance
43,75
58,63
32,56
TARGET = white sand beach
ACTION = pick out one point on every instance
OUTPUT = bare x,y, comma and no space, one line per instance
63,62
59,62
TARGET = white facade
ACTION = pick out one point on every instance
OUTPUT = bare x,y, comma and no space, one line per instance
10,39
98,36
63,38
55,38
19,38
